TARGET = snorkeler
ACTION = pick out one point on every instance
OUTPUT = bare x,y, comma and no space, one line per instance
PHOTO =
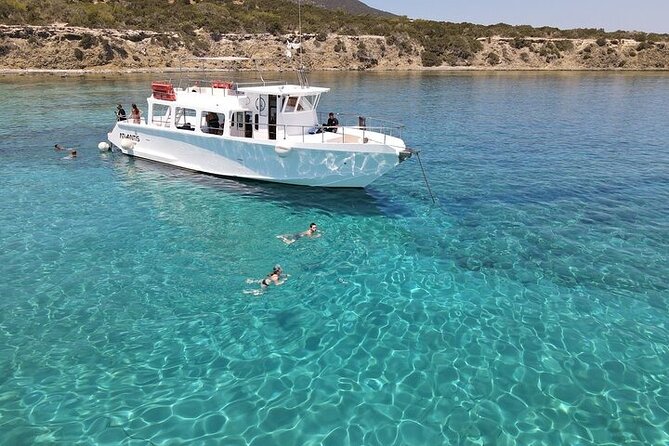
291,238
273,278
276,277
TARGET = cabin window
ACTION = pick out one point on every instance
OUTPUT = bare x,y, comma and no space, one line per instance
308,102
212,122
238,121
293,104
161,115
185,118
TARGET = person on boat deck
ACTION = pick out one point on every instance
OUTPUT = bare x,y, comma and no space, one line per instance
273,278
213,123
120,113
332,123
135,114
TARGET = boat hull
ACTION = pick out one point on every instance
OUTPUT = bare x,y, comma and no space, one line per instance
286,161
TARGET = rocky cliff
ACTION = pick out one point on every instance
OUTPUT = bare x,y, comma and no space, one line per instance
62,47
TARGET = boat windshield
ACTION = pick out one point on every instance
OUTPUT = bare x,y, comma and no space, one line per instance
300,103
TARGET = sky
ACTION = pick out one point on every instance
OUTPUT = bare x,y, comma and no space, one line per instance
612,15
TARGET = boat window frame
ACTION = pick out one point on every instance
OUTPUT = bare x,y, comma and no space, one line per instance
311,100
182,122
161,114
204,125
291,104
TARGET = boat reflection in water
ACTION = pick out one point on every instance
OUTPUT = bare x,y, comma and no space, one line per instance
154,177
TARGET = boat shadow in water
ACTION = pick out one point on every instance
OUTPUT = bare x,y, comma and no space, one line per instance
348,201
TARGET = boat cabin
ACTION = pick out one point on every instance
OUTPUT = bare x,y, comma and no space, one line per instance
265,112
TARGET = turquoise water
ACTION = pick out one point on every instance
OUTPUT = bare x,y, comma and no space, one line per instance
528,307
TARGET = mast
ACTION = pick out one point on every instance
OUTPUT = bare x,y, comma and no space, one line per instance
301,75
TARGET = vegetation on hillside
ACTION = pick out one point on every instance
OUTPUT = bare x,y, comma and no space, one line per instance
440,42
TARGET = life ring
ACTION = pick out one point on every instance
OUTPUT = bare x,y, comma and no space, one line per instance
283,150
260,104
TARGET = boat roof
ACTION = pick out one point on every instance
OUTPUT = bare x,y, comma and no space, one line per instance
284,90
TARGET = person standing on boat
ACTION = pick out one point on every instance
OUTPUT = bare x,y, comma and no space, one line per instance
135,114
120,113
332,123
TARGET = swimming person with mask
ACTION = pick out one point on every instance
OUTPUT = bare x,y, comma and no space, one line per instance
292,238
273,278
276,277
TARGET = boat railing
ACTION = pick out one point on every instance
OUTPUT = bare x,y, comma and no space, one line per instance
260,83
202,85
321,133
385,126
313,133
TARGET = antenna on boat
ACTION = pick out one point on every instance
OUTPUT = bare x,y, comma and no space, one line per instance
302,77
301,74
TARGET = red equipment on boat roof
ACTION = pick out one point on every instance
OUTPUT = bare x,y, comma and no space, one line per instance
164,91
222,84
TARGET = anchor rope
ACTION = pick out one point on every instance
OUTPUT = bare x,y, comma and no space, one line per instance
427,183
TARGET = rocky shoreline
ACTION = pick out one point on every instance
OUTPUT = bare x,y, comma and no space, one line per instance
65,49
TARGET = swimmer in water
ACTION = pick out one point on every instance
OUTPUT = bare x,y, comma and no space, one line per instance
273,278
292,238
276,277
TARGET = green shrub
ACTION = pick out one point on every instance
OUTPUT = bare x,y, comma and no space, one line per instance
600,41
5,49
199,47
339,46
519,43
107,51
120,51
430,59
88,41
525,57
644,46
549,51
275,28
564,45
78,54
493,58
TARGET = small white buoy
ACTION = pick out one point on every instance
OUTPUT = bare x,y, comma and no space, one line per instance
127,144
282,150
104,146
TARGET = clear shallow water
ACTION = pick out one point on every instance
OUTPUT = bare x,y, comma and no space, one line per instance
529,307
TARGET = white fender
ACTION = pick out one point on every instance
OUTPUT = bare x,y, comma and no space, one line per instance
283,149
104,146
127,144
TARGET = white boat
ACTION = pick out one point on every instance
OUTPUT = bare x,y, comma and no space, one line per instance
262,131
